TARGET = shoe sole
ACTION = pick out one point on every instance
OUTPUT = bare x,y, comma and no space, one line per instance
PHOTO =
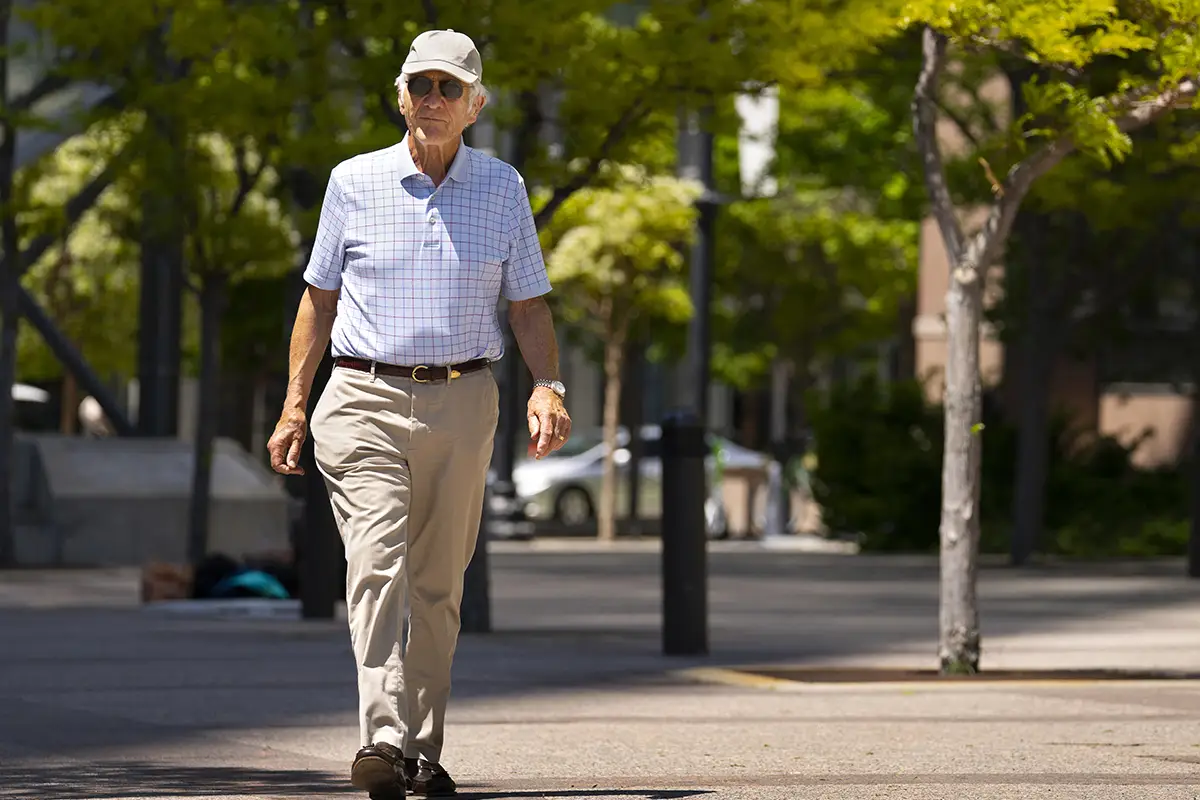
378,778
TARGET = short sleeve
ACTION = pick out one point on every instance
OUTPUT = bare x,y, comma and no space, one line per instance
324,269
525,269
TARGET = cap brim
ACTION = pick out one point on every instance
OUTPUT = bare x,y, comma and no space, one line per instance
440,66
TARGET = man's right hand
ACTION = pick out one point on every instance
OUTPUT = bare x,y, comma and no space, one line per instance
286,442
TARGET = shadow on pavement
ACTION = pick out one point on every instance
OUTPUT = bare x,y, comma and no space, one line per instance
115,781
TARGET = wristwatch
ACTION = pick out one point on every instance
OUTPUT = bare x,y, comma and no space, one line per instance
555,386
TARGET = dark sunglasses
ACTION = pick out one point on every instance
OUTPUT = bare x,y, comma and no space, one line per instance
421,86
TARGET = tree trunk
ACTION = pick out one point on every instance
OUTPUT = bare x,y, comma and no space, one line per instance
634,391
1193,548
212,302
1039,351
958,647
606,516
8,371
9,286
68,414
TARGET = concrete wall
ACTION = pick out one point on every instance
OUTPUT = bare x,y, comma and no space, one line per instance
1127,411
124,502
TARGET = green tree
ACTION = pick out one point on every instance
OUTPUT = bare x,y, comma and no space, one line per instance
215,88
614,258
824,269
87,280
820,275
609,78
237,231
27,105
1147,56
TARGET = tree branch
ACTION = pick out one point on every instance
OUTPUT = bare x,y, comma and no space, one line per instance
635,112
72,211
247,179
391,110
1013,49
1141,112
960,122
1134,112
359,53
49,84
924,108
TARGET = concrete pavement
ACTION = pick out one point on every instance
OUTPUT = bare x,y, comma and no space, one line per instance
569,698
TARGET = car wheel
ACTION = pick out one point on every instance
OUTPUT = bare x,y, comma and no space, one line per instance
573,507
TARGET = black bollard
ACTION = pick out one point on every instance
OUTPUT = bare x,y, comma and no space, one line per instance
475,611
321,560
684,543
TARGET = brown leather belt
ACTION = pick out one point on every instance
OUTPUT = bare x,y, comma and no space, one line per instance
421,373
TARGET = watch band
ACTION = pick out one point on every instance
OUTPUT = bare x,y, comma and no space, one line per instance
555,386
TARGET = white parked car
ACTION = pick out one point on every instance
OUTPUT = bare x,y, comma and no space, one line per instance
31,409
565,487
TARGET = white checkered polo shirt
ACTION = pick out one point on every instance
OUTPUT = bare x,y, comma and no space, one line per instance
421,268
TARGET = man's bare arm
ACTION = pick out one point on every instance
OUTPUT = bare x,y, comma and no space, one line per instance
310,337
532,325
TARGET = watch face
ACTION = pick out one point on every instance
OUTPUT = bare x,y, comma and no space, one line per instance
555,386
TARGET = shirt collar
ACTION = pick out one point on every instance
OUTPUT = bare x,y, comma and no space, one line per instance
460,170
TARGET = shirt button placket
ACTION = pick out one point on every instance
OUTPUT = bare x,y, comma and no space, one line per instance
433,236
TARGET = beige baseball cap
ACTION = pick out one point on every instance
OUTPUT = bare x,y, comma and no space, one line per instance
445,51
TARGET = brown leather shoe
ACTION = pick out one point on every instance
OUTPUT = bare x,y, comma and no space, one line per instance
378,769
429,780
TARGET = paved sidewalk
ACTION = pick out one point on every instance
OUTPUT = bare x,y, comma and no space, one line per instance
570,698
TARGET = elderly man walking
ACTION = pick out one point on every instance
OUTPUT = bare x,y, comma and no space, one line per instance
416,244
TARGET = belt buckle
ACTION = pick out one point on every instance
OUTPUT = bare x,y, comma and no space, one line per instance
414,374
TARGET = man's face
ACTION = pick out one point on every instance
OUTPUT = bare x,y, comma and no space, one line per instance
436,107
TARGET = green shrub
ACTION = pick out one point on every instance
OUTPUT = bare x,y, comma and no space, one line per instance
878,471
878,475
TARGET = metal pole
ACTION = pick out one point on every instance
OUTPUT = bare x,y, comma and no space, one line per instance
684,434
684,544
696,163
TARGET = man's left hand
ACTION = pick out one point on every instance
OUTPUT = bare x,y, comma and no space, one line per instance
549,423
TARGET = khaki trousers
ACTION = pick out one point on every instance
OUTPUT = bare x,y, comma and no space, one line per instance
405,464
